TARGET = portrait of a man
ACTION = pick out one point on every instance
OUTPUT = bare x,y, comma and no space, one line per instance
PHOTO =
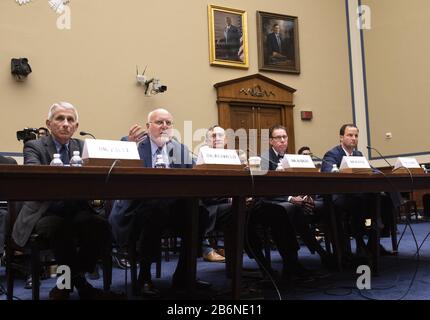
227,37
278,43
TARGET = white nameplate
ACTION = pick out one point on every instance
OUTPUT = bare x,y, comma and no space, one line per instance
110,149
218,156
409,163
354,163
297,161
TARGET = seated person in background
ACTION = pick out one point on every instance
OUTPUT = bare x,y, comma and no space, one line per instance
42,132
77,236
219,208
305,151
144,220
294,207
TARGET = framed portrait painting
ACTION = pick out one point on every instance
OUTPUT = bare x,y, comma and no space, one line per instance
228,37
278,42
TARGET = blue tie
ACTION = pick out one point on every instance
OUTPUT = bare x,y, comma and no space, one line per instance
64,154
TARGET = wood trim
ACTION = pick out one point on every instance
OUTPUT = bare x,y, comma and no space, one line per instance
255,76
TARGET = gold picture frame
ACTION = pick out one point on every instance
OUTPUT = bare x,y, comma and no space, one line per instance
278,42
228,37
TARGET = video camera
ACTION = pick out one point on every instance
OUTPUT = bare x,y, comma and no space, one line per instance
157,87
27,134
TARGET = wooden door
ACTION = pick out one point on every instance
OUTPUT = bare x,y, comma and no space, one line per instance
255,103
256,121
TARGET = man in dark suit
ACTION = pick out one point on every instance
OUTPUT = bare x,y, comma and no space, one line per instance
231,40
287,212
7,160
279,48
356,206
145,220
63,223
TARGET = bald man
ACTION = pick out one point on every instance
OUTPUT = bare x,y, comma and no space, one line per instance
145,220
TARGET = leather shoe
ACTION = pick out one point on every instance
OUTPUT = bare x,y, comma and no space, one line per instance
59,294
88,292
148,289
385,252
199,284
28,283
221,252
212,256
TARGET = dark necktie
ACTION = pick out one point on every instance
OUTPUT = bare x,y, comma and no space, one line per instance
64,154
157,152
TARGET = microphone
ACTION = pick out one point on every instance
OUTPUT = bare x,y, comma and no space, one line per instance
83,133
175,139
269,161
370,148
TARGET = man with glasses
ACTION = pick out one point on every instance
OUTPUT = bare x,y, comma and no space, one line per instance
145,220
291,208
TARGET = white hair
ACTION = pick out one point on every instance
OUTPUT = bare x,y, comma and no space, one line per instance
154,111
64,105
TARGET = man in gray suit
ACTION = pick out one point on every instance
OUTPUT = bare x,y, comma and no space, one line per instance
65,224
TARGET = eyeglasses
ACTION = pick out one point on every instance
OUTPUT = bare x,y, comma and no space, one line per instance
279,138
168,123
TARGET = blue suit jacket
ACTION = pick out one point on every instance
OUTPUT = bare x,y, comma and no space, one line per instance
334,156
123,211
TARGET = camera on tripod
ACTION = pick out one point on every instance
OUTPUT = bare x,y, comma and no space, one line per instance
27,134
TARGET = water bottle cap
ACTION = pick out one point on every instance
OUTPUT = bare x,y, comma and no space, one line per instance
76,153
56,155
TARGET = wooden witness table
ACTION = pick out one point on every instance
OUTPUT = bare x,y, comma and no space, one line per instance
58,183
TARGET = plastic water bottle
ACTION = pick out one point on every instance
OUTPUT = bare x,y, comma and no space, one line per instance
335,169
279,167
56,161
76,160
424,168
159,162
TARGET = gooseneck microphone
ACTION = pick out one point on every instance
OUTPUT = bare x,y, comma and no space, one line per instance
371,148
83,133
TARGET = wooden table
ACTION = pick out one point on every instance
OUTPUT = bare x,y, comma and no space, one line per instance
57,183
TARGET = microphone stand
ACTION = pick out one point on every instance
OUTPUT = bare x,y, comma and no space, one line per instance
371,148
83,133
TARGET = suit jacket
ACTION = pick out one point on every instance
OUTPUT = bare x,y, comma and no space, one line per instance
37,152
7,160
272,44
232,36
269,161
334,156
123,211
